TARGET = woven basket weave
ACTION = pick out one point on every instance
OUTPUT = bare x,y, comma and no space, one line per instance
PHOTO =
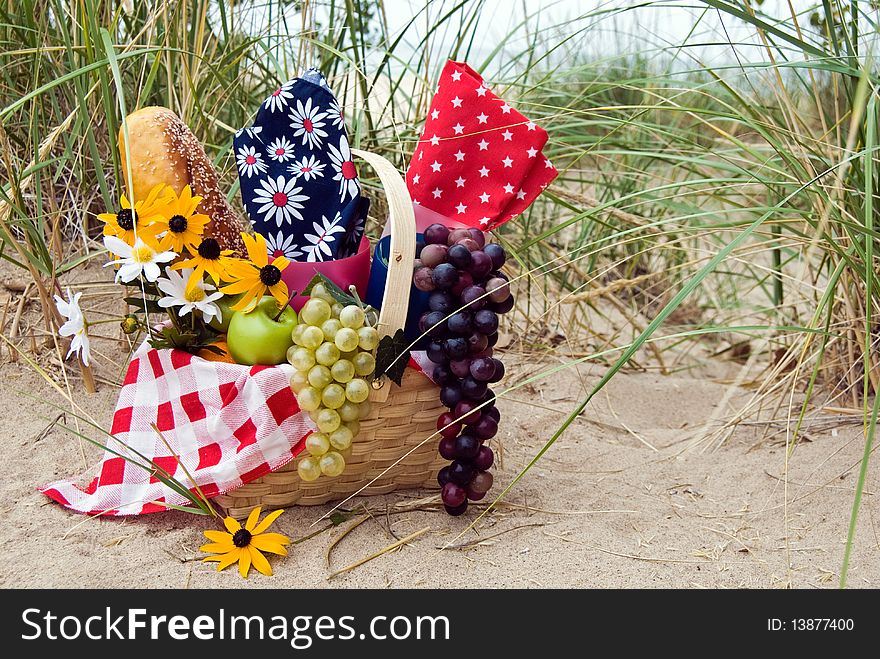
391,451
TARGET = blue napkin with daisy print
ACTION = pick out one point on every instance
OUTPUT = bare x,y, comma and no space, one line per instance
299,185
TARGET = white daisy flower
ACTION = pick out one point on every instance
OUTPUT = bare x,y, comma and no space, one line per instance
346,172
315,76
280,200
253,131
280,149
281,245
319,242
136,261
352,239
197,297
357,230
308,122
309,167
74,326
335,115
279,99
250,161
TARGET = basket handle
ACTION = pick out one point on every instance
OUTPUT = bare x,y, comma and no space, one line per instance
395,300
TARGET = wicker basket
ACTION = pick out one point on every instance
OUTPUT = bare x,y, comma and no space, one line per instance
391,451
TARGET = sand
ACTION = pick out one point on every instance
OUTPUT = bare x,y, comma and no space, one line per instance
626,498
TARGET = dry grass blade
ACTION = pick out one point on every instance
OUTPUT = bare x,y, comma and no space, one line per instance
202,497
479,541
381,552
342,535
647,559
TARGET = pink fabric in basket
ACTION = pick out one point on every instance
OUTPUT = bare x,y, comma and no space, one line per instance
229,424
425,217
342,272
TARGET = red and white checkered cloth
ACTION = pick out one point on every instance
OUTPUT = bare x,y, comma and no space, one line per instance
229,424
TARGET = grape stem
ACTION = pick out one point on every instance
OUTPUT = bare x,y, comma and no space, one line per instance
364,307
357,298
282,307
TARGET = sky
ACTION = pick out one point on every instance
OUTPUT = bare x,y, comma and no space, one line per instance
594,29
606,27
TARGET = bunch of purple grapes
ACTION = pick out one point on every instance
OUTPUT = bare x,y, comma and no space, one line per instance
468,292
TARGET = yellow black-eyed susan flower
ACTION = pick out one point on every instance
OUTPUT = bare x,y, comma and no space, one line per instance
139,222
254,278
183,226
245,544
207,257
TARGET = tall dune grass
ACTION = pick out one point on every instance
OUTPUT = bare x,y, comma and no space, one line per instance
694,201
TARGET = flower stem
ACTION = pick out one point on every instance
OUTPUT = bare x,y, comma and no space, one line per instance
92,323
144,298
312,535
282,307
175,319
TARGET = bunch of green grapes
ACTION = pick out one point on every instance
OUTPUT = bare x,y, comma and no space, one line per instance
333,357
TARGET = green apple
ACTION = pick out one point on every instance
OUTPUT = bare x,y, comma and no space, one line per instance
225,304
257,338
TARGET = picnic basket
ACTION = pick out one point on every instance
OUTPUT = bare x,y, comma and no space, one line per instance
392,450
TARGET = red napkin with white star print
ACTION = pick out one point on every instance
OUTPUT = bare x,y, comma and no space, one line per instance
479,161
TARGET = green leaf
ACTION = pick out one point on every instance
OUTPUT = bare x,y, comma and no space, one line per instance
335,292
193,341
392,356
143,287
171,337
152,306
339,517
